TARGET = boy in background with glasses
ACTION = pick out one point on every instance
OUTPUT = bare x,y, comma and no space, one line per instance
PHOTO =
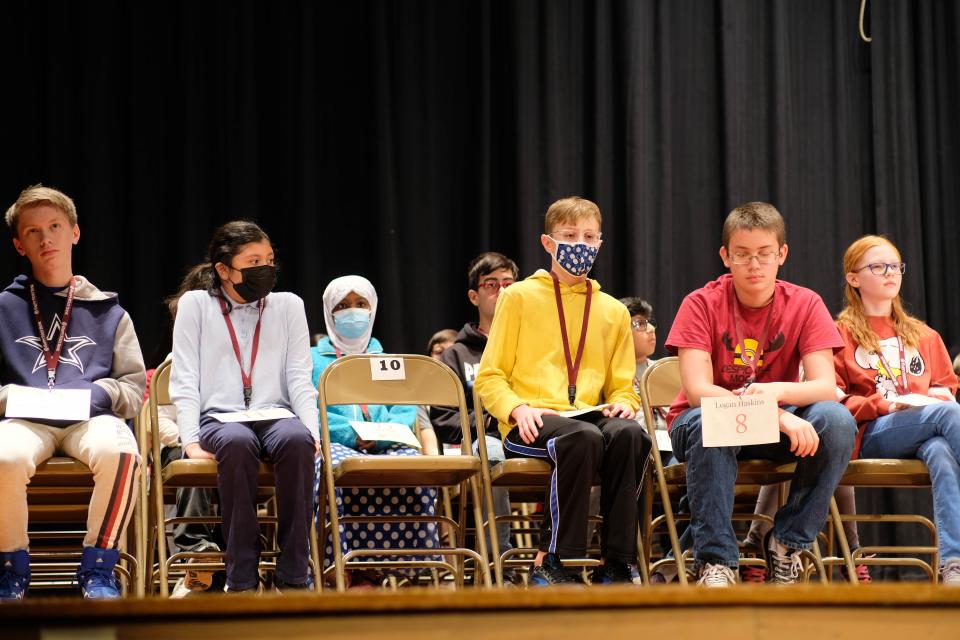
488,274
748,332
558,344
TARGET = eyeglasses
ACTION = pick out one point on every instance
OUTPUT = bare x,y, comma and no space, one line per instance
882,268
571,236
643,325
764,257
490,286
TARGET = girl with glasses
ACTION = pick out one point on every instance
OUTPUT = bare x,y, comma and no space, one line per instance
898,383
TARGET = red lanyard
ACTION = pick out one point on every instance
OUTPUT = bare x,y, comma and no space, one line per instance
751,361
246,377
573,366
52,358
903,389
364,409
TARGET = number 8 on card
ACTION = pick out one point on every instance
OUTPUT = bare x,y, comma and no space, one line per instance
732,421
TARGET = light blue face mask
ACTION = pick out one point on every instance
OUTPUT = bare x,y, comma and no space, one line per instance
351,323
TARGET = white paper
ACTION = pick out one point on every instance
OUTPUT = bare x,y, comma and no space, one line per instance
389,431
663,441
916,400
254,415
573,413
740,420
389,368
59,404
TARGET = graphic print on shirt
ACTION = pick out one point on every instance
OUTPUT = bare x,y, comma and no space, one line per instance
738,372
870,361
71,346
470,372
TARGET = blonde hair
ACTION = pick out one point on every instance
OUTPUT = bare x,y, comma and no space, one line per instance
36,195
754,215
570,210
853,316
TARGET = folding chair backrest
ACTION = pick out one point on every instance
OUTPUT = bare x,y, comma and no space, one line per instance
160,384
349,380
659,386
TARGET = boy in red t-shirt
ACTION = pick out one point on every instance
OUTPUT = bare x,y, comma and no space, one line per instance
748,333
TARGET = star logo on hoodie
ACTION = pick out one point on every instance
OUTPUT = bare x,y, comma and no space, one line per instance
71,346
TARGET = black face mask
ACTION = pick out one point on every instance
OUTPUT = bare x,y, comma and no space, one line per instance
257,282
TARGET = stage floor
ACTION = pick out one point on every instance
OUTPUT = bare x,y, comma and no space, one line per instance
895,610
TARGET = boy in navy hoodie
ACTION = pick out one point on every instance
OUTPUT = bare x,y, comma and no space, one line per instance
59,332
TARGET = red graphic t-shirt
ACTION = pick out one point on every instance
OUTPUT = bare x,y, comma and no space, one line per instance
799,324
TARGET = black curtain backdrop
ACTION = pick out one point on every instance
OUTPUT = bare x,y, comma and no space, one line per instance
399,139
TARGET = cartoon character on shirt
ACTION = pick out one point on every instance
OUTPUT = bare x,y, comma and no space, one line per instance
738,372
885,380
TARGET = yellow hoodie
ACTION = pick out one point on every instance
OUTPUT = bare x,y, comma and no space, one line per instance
523,362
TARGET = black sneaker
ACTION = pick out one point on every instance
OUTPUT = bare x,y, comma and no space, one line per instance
551,572
612,572
284,587
512,577
782,569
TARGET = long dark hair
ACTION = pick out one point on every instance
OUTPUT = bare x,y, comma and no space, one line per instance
224,245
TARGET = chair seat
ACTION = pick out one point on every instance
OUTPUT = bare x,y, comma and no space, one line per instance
405,471
883,472
517,472
203,473
750,472
60,472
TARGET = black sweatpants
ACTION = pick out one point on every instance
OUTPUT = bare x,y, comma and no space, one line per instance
579,450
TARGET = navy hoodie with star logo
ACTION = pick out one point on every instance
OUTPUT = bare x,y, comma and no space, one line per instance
100,348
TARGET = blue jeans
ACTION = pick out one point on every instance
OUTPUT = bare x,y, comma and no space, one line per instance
501,497
712,472
932,434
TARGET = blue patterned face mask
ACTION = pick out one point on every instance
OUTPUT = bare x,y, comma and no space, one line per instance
576,258
351,323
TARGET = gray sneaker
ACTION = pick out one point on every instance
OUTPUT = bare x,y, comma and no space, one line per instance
716,575
950,572
782,569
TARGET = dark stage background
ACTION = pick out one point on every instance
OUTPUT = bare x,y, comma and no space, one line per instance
399,139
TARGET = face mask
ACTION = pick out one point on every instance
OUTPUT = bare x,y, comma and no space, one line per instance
257,282
351,323
576,258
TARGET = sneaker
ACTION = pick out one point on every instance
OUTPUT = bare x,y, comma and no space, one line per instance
782,569
716,575
664,575
14,575
612,572
950,572
551,572
512,577
863,572
95,573
750,573
282,586
202,579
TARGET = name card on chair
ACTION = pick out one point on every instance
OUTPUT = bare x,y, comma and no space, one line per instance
388,368
389,431
736,421
46,404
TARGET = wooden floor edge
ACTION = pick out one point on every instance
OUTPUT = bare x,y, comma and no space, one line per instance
477,601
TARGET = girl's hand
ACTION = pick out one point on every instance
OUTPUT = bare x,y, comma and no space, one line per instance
365,445
195,452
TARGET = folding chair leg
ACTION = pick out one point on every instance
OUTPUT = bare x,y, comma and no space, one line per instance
642,565
481,534
842,540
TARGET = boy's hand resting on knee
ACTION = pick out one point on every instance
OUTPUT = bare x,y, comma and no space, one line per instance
803,437
529,422
617,410
195,452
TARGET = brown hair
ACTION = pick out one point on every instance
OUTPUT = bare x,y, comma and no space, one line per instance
754,215
444,335
853,316
570,210
36,195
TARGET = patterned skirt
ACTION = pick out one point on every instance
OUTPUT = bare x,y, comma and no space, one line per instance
375,502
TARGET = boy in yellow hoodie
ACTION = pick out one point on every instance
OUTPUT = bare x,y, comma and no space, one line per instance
559,344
